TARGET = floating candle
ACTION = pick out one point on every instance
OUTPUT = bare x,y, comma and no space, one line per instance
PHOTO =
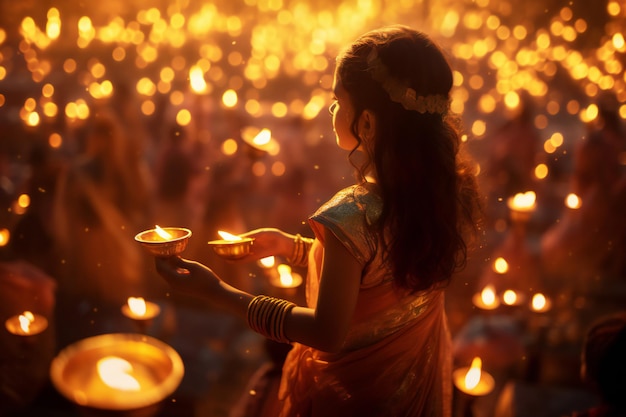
486,299
539,303
474,380
26,324
522,202
137,308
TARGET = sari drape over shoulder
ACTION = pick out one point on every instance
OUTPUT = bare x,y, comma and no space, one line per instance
396,360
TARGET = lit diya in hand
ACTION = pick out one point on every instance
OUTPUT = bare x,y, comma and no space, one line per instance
164,241
26,324
231,246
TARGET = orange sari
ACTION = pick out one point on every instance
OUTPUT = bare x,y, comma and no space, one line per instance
396,360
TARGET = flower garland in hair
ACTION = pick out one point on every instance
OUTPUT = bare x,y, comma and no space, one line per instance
400,92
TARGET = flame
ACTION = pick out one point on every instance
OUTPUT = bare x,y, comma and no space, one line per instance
472,377
284,271
573,201
116,373
500,265
509,297
539,302
196,79
263,137
523,201
267,262
228,236
488,295
26,319
162,233
137,306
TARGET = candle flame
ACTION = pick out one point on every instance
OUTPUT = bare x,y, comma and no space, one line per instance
488,295
163,234
509,297
116,373
573,201
267,262
472,377
500,265
263,137
26,319
523,201
137,305
539,302
284,271
228,236
196,79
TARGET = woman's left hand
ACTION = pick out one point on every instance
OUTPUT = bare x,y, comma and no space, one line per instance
189,277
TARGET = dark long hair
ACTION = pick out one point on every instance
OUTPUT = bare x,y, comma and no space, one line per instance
430,197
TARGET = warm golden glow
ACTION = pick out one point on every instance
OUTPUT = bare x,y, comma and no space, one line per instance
137,306
5,235
472,377
228,236
117,373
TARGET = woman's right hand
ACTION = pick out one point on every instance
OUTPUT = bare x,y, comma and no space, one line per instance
269,241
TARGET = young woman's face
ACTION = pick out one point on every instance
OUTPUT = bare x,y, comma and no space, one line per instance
342,113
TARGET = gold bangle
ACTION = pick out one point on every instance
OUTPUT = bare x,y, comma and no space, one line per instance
266,315
300,253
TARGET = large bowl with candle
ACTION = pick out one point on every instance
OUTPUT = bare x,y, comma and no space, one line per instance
117,371
232,249
166,241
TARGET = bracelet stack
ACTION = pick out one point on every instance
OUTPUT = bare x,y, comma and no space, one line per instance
301,248
266,315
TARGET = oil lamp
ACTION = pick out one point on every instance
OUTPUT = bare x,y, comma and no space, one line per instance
164,241
231,246
473,380
117,372
26,324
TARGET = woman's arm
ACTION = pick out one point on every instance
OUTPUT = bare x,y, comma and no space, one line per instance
324,327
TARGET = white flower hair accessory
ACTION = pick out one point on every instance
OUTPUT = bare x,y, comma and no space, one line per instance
400,92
